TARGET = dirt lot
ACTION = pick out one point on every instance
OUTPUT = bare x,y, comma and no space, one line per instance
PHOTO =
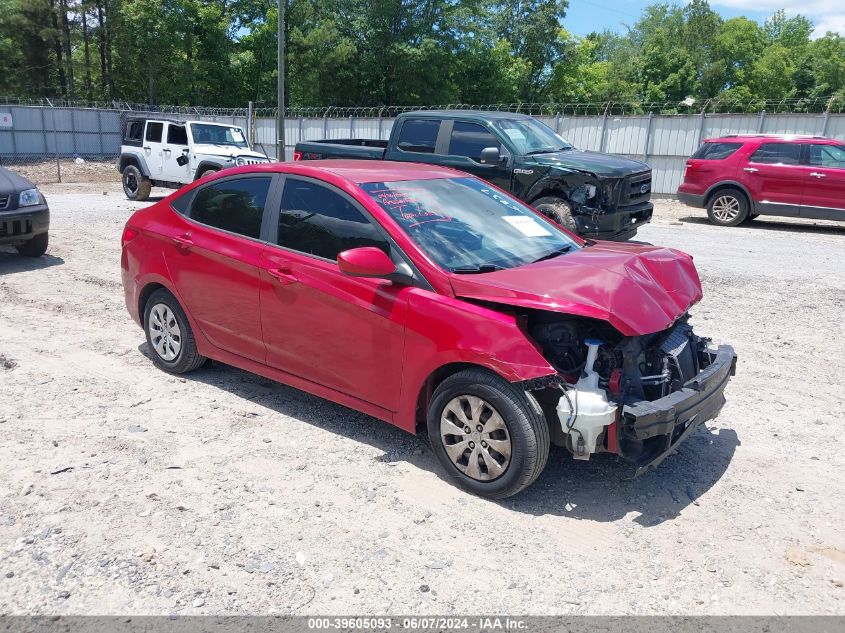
126,490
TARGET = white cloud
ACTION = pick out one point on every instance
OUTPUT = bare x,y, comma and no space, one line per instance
834,23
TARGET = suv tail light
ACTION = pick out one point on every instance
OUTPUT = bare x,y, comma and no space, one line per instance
129,234
297,155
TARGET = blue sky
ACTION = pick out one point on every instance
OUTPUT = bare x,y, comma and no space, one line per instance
585,16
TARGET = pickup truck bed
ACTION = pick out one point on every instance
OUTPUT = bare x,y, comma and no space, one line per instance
360,148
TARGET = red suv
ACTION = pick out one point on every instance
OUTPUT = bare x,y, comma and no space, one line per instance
739,177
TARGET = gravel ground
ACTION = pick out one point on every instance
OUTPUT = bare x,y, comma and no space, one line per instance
126,490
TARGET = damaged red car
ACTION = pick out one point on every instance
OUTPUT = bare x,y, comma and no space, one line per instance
434,301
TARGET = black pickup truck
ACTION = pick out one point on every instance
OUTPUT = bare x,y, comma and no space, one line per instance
596,195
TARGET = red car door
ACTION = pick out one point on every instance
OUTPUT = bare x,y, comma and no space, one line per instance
774,177
214,260
342,332
824,189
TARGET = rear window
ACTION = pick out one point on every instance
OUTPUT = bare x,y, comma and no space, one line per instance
777,154
716,151
134,131
419,135
235,205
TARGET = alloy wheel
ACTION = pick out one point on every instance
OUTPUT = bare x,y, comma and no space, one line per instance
130,182
726,208
475,438
165,334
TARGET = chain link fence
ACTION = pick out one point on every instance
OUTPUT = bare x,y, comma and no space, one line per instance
49,141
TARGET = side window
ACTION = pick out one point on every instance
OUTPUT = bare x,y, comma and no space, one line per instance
235,205
177,134
827,156
134,132
419,135
777,154
468,139
154,131
318,221
716,151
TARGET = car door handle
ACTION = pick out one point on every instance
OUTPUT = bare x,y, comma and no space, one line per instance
816,174
752,170
165,149
148,149
283,276
183,241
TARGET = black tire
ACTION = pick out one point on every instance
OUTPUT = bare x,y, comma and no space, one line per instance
188,358
751,217
558,210
527,430
727,207
135,185
36,246
206,173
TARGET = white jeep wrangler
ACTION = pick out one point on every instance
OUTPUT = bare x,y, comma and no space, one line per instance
165,153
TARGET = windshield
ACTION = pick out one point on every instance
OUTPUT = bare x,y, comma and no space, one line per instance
466,226
218,135
531,137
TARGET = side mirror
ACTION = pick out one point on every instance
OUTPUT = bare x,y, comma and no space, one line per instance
490,156
366,261
182,160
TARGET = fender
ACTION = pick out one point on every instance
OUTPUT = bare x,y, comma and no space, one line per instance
441,330
207,164
137,157
567,184
729,183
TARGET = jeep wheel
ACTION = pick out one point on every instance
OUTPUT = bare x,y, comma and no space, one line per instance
557,210
206,173
486,435
727,207
135,185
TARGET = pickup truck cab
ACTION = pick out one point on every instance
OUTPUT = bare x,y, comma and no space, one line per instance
164,153
595,195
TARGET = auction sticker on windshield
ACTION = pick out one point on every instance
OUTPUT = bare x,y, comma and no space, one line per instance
529,227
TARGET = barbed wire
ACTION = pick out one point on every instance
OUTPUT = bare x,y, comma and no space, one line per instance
718,105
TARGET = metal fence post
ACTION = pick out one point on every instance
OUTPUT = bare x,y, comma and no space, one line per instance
249,131
603,137
557,123
56,142
701,127
647,136
761,122
300,129
826,120
351,127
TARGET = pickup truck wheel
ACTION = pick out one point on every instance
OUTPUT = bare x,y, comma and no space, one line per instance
727,207
169,335
557,210
486,435
135,185
35,247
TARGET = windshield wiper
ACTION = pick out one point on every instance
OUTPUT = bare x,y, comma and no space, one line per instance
545,150
560,251
474,270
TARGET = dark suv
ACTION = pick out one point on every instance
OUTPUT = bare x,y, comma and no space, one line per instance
738,177
24,216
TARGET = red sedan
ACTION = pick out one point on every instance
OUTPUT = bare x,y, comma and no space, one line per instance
432,300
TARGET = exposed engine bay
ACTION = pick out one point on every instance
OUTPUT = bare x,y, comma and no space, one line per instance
630,395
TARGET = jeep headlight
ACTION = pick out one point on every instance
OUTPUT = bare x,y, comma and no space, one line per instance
29,198
240,161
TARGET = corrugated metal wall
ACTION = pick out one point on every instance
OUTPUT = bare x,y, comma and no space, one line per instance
664,142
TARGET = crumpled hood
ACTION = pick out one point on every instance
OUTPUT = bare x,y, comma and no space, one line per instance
637,288
593,162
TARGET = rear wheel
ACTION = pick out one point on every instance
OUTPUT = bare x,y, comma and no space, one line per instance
486,435
169,335
35,247
558,210
135,185
727,207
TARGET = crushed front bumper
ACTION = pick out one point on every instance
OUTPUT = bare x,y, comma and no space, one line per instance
618,225
676,416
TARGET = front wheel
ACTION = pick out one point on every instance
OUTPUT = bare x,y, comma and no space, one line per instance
169,335
486,435
35,247
727,207
557,210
